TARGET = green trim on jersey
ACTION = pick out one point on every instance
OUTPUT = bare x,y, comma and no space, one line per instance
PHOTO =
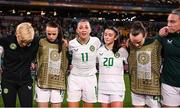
81,43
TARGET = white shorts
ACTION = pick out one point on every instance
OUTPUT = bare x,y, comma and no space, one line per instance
142,100
108,98
84,88
170,94
49,95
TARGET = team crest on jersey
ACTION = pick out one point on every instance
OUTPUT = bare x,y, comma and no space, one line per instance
92,48
117,55
13,46
5,90
143,58
54,55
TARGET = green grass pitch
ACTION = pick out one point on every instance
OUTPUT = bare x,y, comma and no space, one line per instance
127,101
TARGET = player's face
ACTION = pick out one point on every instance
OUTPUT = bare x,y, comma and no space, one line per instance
137,40
109,36
51,33
83,30
173,23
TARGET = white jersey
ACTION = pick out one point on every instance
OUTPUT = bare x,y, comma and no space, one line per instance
84,56
111,71
1,55
124,54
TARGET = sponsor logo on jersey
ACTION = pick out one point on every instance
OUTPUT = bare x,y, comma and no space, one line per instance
13,46
169,41
29,87
75,50
100,53
92,48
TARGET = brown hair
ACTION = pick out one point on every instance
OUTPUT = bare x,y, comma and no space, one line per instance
60,33
137,28
116,45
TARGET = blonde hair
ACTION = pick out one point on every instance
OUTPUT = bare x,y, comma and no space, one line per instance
25,31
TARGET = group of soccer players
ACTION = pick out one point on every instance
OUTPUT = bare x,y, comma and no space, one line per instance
86,51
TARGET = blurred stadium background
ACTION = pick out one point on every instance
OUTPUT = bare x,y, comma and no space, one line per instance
119,13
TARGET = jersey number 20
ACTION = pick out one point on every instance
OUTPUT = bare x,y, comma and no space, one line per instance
108,61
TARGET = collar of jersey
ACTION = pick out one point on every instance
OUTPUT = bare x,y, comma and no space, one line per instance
107,48
84,43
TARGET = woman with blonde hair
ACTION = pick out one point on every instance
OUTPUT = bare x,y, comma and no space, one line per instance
19,51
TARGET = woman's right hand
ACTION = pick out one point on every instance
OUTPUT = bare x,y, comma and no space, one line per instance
164,31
